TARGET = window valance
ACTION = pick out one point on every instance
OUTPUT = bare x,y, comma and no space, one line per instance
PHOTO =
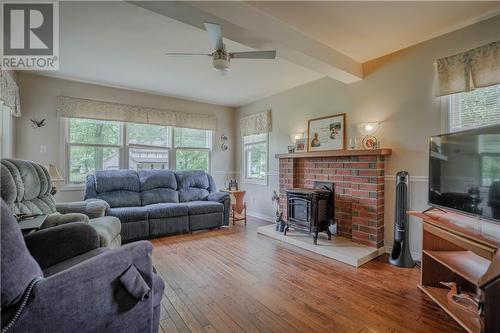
9,93
71,107
476,68
257,123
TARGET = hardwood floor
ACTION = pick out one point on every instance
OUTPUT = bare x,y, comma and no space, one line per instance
233,280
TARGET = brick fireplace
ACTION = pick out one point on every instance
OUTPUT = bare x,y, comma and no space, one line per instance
358,176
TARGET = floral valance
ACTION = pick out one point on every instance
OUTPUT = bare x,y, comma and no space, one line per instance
9,93
257,123
71,107
476,68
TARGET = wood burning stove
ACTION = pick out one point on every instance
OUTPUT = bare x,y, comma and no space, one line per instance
310,210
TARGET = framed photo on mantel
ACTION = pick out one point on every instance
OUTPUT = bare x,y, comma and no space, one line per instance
327,133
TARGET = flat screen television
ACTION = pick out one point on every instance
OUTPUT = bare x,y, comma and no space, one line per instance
464,172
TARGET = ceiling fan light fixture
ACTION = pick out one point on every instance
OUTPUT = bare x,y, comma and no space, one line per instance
220,60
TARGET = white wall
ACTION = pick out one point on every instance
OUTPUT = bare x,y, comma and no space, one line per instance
38,101
398,90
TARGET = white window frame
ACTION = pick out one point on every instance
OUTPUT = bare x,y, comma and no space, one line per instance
176,148
246,147
124,150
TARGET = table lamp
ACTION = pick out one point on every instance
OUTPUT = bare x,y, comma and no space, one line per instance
55,177
368,129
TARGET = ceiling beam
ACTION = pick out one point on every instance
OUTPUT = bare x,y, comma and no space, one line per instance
248,25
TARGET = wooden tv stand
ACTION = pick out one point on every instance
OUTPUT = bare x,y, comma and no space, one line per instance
457,248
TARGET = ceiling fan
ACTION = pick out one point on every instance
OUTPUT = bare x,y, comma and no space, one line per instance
220,57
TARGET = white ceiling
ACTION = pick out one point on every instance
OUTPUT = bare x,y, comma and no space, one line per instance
366,30
121,44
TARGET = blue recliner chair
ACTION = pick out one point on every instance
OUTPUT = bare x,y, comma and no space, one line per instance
59,280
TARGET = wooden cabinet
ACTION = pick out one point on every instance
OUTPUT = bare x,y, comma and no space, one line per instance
455,249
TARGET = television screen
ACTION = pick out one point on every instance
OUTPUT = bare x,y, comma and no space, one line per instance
464,171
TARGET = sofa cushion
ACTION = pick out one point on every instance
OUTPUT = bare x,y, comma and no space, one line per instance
26,187
204,207
151,179
158,186
162,210
68,263
121,198
158,195
129,214
192,194
115,180
192,185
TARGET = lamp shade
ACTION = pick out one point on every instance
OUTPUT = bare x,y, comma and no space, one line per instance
296,136
54,174
368,128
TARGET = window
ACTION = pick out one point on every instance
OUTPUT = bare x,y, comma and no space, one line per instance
6,132
475,108
192,149
92,145
107,145
148,147
489,150
255,158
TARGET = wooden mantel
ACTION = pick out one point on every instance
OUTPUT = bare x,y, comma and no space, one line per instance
330,153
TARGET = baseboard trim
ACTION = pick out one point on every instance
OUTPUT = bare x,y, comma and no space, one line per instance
261,216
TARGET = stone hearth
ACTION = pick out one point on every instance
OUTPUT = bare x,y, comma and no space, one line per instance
359,190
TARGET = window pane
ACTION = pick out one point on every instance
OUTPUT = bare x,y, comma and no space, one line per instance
490,169
256,159
475,108
85,160
191,160
254,138
191,138
151,135
94,131
148,159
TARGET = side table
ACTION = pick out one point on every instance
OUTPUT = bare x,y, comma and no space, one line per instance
238,206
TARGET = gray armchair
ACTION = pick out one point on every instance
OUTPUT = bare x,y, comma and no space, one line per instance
60,280
25,187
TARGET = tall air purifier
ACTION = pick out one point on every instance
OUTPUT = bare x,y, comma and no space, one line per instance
400,255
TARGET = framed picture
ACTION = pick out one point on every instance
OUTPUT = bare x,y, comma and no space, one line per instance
300,145
291,149
326,133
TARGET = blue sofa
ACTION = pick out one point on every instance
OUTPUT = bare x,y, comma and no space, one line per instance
154,203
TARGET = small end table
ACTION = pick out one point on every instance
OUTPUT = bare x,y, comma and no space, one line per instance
238,206
30,223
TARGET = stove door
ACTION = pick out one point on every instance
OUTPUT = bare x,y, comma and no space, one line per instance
299,211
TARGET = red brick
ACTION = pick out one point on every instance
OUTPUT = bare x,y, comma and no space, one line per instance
370,172
367,158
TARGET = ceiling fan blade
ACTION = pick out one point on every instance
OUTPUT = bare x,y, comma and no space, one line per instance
187,54
253,55
215,34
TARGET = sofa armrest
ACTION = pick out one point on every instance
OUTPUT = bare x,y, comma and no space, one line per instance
57,218
91,207
225,199
94,294
53,245
218,196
